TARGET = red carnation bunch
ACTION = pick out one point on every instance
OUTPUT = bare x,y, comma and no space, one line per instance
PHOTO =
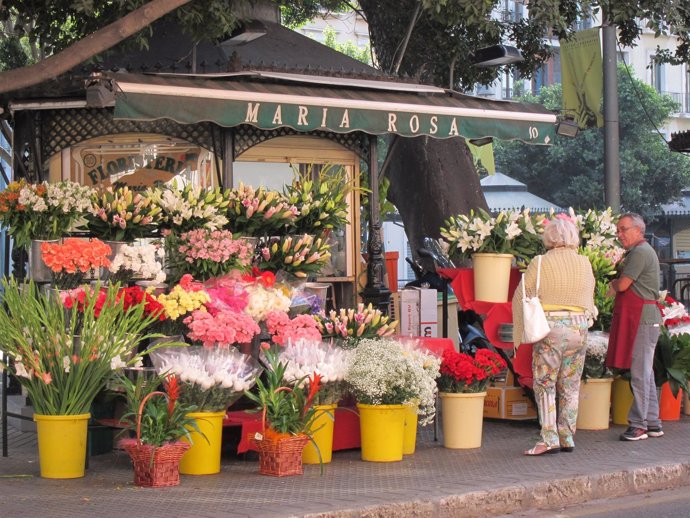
462,372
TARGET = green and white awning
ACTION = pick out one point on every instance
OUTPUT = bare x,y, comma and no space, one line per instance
308,103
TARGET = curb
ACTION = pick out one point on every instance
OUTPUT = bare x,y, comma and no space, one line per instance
542,495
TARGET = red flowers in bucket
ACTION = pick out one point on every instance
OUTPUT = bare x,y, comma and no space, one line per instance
461,372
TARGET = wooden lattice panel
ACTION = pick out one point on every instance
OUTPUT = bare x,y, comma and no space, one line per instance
247,136
61,129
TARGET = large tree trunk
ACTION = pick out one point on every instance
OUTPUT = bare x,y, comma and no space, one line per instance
430,180
77,53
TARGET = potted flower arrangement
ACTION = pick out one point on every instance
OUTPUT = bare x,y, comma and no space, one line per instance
33,213
421,410
462,388
294,255
61,371
304,357
121,215
595,390
287,415
190,207
258,212
671,371
209,253
349,326
159,425
382,379
492,242
143,262
210,380
45,211
73,259
321,199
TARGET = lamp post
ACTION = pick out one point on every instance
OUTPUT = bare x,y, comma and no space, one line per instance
612,172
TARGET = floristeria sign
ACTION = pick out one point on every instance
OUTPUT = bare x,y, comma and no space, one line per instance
434,113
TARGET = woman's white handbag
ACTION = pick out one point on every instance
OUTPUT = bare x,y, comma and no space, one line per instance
535,327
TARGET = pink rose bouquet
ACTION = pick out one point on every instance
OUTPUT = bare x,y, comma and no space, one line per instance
223,329
285,330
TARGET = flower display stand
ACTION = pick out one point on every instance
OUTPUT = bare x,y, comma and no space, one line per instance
382,429
62,445
462,419
320,448
203,457
595,404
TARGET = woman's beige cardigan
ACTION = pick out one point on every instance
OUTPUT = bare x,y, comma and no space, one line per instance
566,279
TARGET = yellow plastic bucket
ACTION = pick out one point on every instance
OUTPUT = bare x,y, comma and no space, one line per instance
410,437
62,444
203,457
491,276
621,401
323,436
594,408
382,432
462,417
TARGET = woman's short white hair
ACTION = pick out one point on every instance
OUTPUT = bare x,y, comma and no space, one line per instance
561,232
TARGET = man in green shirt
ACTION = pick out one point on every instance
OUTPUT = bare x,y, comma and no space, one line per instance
636,326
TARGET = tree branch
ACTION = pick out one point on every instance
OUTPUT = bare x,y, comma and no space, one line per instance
99,41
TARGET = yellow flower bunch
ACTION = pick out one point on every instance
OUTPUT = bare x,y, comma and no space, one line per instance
181,302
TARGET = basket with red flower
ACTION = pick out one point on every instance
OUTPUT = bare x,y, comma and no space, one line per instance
287,417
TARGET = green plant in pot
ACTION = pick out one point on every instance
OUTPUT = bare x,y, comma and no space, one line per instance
672,360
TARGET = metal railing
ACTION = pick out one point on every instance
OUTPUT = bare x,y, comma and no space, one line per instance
683,100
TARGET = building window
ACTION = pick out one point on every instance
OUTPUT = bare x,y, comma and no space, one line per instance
657,75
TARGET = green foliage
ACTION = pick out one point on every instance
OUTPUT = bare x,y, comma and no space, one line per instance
349,48
164,418
12,54
672,360
650,173
288,409
61,370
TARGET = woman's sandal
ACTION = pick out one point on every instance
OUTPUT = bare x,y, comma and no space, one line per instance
567,449
540,449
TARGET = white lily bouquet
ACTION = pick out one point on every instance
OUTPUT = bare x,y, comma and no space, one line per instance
138,262
209,379
307,357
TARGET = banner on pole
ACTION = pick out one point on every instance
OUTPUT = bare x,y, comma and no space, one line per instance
583,78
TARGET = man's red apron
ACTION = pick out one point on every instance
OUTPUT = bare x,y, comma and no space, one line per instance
627,312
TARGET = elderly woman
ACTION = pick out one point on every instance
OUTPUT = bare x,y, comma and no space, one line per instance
566,291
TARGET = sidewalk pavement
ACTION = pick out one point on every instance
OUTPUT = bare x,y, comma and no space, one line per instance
434,482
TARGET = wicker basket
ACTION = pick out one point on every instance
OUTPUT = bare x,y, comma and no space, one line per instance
281,458
154,466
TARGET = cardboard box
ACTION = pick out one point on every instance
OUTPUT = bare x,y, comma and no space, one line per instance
409,312
508,403
418,312
428,313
